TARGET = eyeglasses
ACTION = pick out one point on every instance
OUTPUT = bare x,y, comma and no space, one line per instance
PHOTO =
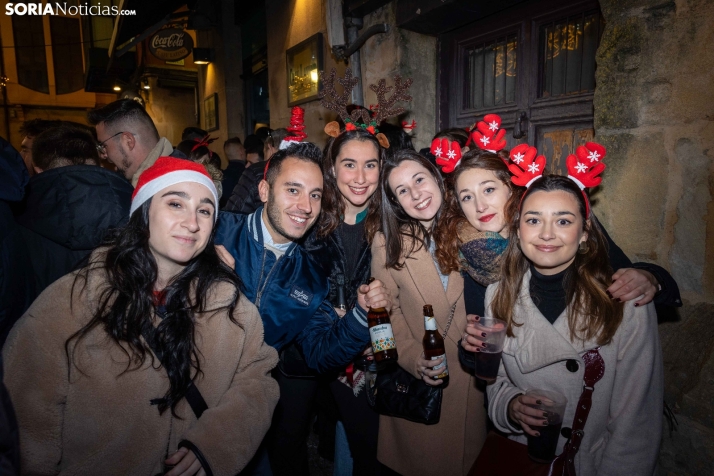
102,146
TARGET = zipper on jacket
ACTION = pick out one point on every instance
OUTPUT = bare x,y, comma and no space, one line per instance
267,278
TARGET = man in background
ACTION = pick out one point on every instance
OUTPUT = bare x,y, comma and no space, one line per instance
235,153
128,138
70,203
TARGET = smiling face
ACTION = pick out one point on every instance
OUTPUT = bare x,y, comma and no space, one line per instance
550,230
483,197
416,190
356,171
293,201
180,224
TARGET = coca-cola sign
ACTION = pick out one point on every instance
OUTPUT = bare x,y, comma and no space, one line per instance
171,44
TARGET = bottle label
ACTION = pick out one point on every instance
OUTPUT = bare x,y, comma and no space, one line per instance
445,371
382,337
429,323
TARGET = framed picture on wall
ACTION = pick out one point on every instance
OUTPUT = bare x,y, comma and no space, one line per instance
210,112
304,63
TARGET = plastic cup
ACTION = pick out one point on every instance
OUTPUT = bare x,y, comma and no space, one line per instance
541,449
488,359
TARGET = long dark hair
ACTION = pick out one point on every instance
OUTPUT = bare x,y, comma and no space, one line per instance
591,312
397,226
452,219
127,302
333,204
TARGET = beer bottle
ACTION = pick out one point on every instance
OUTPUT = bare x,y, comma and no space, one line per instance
381,334
434,344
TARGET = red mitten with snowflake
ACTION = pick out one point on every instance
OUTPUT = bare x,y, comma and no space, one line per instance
448,154
526,165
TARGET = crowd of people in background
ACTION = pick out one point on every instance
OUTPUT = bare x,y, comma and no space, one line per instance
164,312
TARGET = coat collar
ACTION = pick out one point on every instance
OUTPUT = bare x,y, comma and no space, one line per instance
422,270
255,228
538,343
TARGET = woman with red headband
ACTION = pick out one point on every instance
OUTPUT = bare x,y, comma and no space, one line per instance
473,232
148,360
565,334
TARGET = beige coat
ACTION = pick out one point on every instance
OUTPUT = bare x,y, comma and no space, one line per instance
450,447
624,428
100,420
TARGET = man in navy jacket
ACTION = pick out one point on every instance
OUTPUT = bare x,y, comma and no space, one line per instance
279,277
290,291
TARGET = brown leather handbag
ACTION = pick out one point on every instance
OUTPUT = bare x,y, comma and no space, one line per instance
503,457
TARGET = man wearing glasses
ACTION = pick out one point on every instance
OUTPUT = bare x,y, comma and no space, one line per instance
128,138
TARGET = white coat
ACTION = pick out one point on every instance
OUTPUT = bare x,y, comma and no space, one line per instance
624,428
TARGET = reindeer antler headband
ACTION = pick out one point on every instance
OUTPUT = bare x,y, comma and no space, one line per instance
361,117
584,167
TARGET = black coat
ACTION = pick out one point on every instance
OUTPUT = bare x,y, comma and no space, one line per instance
230,179
245,198
67,214
17,288
329,253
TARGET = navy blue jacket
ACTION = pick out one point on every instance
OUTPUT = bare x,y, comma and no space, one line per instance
290,293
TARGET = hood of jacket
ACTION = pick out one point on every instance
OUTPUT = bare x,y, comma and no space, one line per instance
75,205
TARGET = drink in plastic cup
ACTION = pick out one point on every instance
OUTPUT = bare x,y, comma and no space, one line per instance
488,359
542,448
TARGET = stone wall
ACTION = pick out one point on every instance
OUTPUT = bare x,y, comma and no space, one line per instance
410,55
654,111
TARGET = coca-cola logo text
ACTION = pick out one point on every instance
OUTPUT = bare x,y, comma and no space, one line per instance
171,44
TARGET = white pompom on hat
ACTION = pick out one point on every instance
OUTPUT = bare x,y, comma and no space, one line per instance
168,171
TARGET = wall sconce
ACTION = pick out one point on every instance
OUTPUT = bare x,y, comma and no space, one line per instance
202,55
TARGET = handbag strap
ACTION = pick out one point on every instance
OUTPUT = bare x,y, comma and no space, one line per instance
451,318
193,395
594,370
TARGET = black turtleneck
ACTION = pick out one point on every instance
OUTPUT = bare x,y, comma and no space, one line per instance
548,293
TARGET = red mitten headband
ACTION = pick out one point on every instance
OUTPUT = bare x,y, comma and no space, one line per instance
488,134
447,153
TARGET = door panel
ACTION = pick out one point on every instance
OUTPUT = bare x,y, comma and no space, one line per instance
536,61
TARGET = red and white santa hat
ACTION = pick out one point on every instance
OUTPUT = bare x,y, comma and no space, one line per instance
168,171
296,129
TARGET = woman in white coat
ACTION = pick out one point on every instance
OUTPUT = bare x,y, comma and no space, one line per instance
553,298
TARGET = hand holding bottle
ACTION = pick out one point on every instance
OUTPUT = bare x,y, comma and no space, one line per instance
425,368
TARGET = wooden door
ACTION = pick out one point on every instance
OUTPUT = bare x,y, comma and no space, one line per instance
534,65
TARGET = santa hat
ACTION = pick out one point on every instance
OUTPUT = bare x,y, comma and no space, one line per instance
168,171
296,129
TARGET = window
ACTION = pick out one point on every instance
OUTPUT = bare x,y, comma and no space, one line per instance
67,54
491,72
568,55
30,53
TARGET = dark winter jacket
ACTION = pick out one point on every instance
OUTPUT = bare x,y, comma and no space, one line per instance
67,214
329,253
230,179
17,287
290,293
245,198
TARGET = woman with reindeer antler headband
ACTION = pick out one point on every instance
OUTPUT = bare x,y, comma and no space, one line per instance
473,232
352,161
566,334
